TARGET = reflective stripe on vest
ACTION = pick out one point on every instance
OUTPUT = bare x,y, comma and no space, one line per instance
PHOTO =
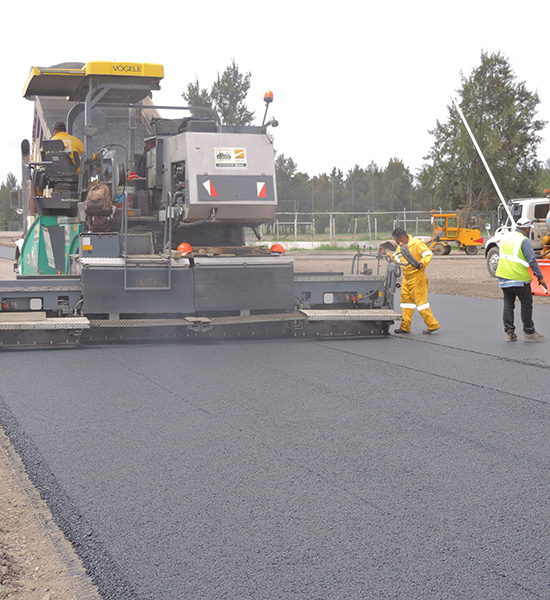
515,257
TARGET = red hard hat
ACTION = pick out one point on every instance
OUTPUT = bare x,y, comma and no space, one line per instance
277,248
184,248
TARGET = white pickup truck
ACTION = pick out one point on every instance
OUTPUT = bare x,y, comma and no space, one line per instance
535,209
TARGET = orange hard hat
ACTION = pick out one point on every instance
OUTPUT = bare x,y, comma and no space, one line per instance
184,248
277,248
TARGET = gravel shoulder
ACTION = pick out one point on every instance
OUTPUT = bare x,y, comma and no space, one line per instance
37,563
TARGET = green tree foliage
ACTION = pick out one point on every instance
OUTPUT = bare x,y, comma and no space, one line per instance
373,175
341,223
360,191
285,171
227,96
322,193
501,113
301,193
362,225
6,212
396,184
544,178
336,190
321,222
195,96
357,187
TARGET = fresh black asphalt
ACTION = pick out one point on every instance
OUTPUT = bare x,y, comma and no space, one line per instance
412,468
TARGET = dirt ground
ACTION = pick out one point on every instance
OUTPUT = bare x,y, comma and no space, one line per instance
37,563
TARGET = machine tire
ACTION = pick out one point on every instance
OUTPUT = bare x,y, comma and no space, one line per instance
447,249
492,261
438,249
470,250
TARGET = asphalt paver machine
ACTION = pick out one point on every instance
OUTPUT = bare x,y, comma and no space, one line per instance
168,258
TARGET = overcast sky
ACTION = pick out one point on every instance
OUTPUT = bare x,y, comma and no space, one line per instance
353,81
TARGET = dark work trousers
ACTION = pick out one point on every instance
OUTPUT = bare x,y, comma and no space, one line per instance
523,294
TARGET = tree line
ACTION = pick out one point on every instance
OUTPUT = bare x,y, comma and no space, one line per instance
7,214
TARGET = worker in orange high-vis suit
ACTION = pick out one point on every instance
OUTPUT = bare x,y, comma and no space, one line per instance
414,256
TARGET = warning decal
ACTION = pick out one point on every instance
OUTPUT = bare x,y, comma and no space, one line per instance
236,187
230,158
209,187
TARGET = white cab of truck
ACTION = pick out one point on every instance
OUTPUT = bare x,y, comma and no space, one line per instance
535,209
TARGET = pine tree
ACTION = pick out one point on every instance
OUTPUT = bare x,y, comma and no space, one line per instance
195,96
227,96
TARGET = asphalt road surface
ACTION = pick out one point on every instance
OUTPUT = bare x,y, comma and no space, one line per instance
411,467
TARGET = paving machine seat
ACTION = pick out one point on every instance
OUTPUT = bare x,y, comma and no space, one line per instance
59,173
60,166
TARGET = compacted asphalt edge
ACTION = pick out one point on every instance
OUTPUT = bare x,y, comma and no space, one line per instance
98,563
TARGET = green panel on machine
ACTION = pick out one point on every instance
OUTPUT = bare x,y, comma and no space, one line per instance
48,245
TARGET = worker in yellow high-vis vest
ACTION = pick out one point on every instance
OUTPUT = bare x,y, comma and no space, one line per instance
414,256
516,256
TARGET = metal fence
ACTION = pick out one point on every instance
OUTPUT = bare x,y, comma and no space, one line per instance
365,225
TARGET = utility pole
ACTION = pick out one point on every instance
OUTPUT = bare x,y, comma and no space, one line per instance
332,216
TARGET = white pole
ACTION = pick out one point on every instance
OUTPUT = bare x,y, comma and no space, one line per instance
472,137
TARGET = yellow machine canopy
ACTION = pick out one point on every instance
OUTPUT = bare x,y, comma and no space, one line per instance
127,81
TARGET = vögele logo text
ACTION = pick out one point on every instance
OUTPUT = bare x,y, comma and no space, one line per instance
127,68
